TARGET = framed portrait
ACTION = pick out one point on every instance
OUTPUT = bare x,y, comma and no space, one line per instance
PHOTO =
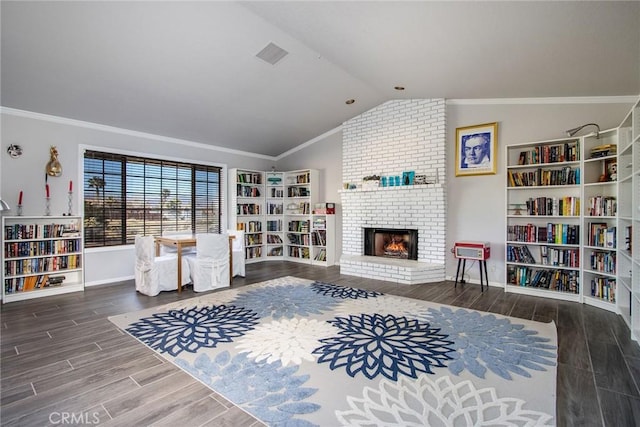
477,149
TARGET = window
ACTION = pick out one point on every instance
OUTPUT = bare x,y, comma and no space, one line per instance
128,195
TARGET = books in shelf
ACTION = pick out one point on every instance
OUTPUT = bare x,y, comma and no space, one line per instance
551,279
553,206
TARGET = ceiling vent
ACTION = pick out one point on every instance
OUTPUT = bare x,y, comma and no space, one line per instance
272,53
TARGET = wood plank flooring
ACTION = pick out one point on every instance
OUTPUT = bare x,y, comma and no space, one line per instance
63,362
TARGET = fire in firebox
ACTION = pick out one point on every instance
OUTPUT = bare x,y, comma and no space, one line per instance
396,247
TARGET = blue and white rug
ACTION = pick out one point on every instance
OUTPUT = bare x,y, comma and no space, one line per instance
294,352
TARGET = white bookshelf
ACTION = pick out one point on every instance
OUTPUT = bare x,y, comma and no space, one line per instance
42,256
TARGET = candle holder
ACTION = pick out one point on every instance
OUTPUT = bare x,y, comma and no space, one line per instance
69,200
47,206
19,210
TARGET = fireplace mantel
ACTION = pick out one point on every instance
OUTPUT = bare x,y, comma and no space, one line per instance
398,188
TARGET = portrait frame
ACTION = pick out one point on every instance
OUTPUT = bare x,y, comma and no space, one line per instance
483,160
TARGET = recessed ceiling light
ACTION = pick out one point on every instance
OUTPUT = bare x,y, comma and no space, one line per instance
399,87
350,101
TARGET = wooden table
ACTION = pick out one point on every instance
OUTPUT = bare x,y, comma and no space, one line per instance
185,241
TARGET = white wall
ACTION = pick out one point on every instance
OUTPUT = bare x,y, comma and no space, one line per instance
325,155
27,173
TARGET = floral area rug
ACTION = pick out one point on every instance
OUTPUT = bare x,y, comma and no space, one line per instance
296,352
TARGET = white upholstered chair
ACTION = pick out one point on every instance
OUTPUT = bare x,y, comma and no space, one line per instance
156,274
210,265
237,246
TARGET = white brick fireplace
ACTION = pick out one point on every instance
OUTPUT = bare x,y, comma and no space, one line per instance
397,136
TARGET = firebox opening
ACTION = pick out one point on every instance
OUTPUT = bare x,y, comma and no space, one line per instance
391,243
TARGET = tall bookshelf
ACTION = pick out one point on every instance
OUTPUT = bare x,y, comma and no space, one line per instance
275,211
42,256
604,258
323,242
301,193
629,219
600,216
247,191
543,218
274,215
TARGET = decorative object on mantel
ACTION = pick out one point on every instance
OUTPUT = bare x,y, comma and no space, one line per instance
371,181
408,177
54,168
476,150
14,151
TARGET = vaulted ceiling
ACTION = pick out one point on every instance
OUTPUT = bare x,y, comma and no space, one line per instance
189,70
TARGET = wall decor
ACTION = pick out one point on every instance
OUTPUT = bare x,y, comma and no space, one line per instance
476,149
54,168
14,151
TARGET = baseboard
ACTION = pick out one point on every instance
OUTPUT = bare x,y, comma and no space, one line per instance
108,281
477,282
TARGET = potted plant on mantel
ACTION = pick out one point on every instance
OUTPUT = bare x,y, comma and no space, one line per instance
371,181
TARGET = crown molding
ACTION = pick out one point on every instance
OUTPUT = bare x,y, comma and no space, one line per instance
308,143
128,132
630,99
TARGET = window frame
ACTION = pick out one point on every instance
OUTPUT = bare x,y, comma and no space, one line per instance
222,195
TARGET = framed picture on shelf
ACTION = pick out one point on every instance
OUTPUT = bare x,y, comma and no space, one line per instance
611,169
476,149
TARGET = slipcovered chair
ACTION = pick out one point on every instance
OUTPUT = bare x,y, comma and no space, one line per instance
156,274
237,246
210,265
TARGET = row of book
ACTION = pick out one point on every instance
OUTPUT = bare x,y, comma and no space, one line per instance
274,225
298,192
43,247
274,238
545,177
275,251
250,226
602,235
555,280
248,209
298,239
558,233
554,206
602,206
299,226
303,178
38,231
247,191
30,283
252,239
520,254
41,265
319,238
301,208
559,257
276,193
253,252
321,255
299,252
604,288
275,209
604,262
249,178
566,152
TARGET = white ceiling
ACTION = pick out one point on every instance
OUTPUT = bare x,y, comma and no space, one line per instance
188,69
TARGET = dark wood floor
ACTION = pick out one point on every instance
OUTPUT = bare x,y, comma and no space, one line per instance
61,357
